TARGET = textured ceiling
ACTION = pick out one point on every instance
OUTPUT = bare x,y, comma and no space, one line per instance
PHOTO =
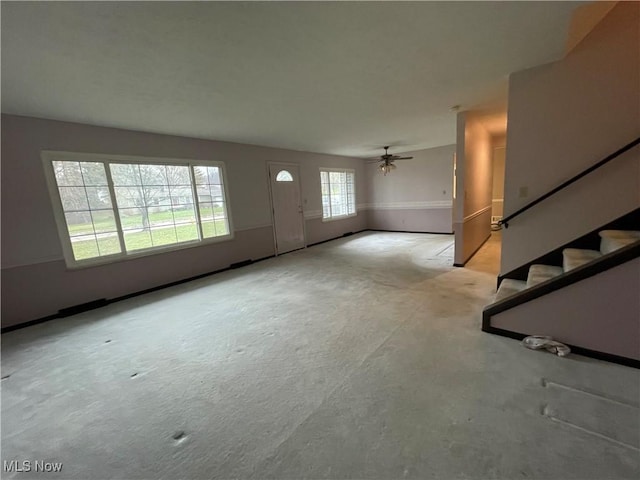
343,78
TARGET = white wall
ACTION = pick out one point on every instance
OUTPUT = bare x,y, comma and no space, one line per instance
35,280
416,196
472,219
564,117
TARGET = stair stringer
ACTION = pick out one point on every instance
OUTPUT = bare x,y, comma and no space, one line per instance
590,241
595,309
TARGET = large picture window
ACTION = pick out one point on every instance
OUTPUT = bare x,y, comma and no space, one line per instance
338,193
113,207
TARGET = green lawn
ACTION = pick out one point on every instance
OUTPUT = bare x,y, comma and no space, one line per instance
104,219
138,240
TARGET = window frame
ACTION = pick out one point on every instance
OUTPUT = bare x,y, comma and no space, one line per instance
355,205
50,156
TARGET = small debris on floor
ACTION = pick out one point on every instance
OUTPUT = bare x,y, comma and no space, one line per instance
538,342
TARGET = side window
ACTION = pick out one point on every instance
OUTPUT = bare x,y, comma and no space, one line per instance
338,193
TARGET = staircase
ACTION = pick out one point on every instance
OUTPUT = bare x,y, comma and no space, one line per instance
610,241
585,294
589,299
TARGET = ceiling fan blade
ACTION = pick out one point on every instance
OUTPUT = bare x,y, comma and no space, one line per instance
403,158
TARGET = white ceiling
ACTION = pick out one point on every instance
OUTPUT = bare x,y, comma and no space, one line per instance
342,78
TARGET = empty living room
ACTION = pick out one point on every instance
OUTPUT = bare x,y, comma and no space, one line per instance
323,240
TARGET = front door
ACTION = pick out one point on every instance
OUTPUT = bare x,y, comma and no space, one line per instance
287,207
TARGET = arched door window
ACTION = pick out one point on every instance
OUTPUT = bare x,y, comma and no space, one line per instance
284,176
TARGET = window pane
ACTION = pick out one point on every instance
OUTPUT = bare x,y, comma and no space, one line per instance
213,174
79,223
184,214
153,175
204,193
125,174
108,243
206,211
93,174
132,196
137,240
222,226
201,175
178,175
85,247
73,198
187,232
219,211
131,218
98,197
160,216
208,229
67,173
86,203
284,176
154,195
216,191
180,195
104,221
163,235
210,190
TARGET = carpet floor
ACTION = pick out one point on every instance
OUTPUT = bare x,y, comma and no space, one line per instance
358,358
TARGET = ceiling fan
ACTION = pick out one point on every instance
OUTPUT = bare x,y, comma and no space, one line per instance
386,161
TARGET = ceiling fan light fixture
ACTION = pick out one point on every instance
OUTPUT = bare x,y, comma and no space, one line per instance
386,168
386,161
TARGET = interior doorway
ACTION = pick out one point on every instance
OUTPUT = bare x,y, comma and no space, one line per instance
497,193
492,253
286,201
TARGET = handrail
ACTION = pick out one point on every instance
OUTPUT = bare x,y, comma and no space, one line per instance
617,153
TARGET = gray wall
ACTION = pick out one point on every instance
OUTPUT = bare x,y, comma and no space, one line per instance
416,196
564,117
35,280
474,170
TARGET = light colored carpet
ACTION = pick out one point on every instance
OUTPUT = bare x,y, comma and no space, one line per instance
358,358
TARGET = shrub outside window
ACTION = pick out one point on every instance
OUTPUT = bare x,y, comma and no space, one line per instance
113,207
338,193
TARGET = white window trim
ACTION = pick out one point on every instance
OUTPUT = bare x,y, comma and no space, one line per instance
333,218
49,156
